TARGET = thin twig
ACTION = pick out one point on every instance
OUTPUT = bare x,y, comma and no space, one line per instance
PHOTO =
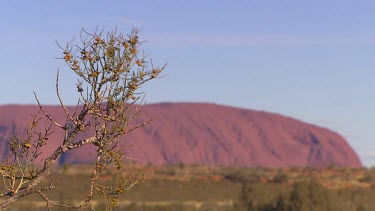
45,113
60,99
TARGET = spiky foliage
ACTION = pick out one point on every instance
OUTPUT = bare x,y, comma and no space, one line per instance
110,70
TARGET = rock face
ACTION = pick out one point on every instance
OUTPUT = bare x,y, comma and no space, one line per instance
201,133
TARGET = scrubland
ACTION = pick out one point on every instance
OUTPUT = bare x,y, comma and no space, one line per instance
194,187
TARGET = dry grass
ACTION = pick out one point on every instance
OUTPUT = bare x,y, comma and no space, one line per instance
193,187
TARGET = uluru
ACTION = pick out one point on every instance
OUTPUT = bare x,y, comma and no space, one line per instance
210,134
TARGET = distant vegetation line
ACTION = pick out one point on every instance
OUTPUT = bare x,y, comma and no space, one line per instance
198,187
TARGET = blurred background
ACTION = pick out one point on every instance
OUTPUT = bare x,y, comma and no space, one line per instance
311,60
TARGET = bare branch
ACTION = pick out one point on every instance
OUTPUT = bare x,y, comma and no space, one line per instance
45,113
58,96
110,73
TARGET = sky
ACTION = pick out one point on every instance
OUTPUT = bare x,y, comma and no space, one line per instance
311,60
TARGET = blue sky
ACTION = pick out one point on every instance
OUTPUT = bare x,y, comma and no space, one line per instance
312,60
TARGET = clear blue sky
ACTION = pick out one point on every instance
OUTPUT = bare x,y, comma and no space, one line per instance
312,60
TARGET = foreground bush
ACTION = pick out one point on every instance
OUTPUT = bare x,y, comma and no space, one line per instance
110,71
